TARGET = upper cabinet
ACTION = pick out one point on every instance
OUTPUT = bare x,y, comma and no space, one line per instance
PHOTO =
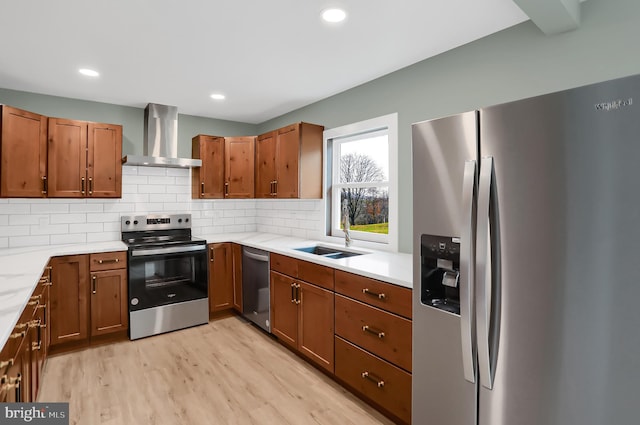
60,158
84,159
289,162
227,167
23,154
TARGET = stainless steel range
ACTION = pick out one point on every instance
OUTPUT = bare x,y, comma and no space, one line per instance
168,274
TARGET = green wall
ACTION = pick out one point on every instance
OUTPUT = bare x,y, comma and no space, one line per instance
516,63
132,119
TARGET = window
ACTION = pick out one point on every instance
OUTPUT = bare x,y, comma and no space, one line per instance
361,163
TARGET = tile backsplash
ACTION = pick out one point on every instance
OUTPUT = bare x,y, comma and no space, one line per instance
32,222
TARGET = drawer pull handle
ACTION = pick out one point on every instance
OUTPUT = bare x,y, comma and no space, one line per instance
109,260
17,335
293,292
373,378
297,293
34,324
379,334
6,363
381,295
21,326
35,297
41,306
36,345
36,302
7,387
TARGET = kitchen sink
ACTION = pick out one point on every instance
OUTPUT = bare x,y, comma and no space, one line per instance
327,252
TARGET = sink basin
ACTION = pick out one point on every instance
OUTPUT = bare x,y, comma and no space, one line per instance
327,252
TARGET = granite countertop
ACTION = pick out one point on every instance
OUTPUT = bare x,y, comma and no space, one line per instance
21,268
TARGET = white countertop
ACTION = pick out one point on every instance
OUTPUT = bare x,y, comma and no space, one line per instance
21,268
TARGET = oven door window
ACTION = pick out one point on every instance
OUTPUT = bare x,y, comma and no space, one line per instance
157,280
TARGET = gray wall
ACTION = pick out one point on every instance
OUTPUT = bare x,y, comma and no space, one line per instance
131,119
516,63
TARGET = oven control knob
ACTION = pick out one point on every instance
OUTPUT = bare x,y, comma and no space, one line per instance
127,222
134,301
179,220
135,221
186,220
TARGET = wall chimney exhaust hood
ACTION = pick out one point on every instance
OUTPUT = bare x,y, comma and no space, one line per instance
161,140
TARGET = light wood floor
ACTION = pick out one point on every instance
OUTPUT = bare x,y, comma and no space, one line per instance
226,372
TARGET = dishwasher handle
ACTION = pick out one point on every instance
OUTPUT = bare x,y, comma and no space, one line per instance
258,257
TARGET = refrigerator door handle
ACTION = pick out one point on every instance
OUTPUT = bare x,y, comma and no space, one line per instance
467,277
483,270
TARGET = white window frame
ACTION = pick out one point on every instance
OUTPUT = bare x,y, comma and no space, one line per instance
332,207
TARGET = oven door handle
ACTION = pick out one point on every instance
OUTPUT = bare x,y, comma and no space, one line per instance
169,250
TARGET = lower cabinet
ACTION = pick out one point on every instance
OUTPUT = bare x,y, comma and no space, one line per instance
88,297
69,294
237,277
220,277
302,312
24,354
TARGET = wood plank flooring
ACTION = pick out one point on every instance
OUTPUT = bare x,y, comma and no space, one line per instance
226,372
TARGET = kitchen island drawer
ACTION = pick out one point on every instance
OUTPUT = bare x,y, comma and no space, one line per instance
380,381
387,296
108,261
384,334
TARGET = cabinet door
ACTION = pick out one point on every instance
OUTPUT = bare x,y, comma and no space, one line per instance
265,165
23,154
68,297
104,164
67,158
109,306
208,180
315,327
220,277
239,167
284,310
288,162
237,277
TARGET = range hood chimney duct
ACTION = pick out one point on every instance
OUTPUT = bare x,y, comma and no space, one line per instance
161,140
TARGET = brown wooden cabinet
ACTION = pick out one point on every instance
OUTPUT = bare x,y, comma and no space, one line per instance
227,167
23,356
23,153
220,277
237,277
289,162
84,159
69,292
109,300
302,310
373,341
208,179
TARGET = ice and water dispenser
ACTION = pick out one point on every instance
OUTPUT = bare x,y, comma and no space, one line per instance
440,273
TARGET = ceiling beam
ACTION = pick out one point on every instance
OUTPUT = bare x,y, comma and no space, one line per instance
552,16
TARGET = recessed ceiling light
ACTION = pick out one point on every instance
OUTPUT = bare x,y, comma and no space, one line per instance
218,96
89,72
334,15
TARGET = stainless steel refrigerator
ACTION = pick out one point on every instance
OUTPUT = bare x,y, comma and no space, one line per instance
526,305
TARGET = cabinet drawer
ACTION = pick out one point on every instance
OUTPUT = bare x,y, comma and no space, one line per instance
316,274
382,382
283,264
108,261
303,270
377,293
384,334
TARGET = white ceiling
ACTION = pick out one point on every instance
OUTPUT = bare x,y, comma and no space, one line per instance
268,57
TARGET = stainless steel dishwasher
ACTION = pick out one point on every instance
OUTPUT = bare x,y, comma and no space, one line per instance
255,286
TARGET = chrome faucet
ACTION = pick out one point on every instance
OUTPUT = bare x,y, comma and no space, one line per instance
346,224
